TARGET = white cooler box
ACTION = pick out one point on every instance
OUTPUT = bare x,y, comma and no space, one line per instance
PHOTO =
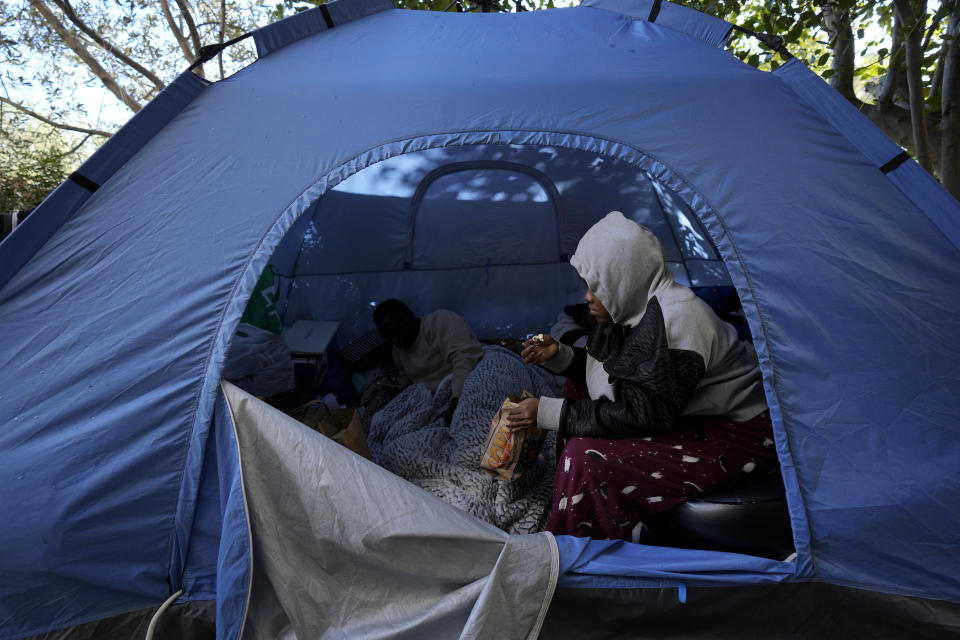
308,341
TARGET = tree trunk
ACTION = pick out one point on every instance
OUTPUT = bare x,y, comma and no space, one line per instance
913,16
837,23
950,109
895,77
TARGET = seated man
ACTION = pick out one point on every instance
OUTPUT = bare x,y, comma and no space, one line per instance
429,349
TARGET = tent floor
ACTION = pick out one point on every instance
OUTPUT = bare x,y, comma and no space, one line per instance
796,610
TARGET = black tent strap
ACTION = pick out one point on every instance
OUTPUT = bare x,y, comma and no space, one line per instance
325,12
209,52
895,162
83,181
654,11
485,6
771,40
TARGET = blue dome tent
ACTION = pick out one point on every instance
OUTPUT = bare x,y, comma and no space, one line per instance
143,495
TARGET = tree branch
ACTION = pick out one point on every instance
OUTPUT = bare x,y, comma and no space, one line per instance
222,34
913,13
895,65
936,80
188,55
68,11
191,25
950,111
85,56
934,23
75,147
52,123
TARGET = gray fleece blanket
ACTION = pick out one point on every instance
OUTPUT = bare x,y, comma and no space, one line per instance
409,438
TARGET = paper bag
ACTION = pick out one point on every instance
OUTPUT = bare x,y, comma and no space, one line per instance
341,425
506,455
352,436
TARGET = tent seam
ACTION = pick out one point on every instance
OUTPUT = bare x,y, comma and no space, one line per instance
776,384
246,512
201,385
551,586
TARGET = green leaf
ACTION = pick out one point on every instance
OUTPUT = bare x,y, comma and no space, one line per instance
827,73
822,60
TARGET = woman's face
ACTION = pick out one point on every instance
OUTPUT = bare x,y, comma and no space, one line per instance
595,307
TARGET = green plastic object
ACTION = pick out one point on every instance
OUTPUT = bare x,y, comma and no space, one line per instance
261,311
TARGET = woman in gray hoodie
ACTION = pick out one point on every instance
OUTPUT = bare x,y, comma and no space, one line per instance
676,406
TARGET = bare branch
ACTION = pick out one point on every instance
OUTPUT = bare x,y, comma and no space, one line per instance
85,56
188,55
934,23
68,11
191,25
53,123
936,80
75,148
222,34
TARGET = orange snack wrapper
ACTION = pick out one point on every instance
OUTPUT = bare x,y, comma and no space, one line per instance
508,455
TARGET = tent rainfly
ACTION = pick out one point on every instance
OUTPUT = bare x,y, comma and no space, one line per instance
142,495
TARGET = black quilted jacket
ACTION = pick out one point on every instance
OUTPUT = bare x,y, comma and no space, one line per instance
652,383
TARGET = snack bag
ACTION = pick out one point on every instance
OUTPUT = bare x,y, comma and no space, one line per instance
506,455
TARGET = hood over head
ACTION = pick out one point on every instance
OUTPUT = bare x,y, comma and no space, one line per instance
624,265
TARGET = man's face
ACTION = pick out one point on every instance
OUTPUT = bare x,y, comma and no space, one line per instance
399,331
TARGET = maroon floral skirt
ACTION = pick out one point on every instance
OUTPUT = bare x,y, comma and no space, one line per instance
606,489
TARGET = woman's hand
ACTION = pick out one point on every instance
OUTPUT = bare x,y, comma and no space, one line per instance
524,415
539,349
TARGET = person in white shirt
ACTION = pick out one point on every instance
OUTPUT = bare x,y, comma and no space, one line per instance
430,348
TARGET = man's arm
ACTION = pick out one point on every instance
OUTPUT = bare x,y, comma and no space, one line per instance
460,347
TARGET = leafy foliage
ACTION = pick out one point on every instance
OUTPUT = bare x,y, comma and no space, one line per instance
54,54
284,8
85,65
52,50
802,26
32,163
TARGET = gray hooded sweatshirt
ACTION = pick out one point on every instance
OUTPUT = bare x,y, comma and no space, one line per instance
624,265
